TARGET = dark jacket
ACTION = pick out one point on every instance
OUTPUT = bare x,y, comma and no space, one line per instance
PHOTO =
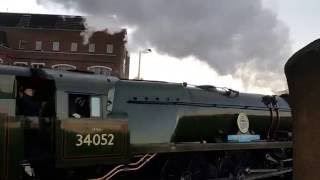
28,106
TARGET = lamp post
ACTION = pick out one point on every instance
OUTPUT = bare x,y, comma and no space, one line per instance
144,51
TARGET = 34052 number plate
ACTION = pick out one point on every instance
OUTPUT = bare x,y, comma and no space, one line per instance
95,140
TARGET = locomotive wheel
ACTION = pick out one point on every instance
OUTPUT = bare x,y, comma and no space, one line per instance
186,176
240,174
194,167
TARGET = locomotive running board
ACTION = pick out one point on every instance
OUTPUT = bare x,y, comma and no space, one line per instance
197,146
279,172
261,176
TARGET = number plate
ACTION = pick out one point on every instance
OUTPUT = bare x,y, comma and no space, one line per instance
89,138
95,139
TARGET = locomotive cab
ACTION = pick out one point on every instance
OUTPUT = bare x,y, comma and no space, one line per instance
62,125
25,137
27,122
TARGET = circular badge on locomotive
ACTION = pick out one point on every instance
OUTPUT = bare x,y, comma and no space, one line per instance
243,123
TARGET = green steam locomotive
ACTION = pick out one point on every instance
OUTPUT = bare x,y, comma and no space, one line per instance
85,126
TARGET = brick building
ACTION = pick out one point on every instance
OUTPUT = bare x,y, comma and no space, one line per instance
54,41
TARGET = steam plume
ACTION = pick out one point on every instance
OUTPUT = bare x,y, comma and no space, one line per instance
234,37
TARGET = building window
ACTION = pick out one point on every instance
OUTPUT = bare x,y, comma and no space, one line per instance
84,106
1,61
38,45
38,65
109,48
92,47
55,46
100,70
24,64
74,47
64,67
22,44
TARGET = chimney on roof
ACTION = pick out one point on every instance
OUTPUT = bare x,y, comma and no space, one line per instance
64,22
24,20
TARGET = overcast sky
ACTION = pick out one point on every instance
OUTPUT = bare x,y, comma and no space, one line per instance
237,44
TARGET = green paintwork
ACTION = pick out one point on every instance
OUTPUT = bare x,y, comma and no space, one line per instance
15,148
10,131
11,146
3,141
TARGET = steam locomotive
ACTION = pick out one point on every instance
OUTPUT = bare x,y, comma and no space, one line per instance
98,127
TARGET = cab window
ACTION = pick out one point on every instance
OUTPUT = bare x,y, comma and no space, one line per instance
110,100
95,106
84,106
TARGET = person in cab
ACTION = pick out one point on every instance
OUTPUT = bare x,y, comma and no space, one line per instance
29,107
27,104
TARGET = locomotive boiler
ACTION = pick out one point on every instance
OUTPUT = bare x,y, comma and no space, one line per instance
98,127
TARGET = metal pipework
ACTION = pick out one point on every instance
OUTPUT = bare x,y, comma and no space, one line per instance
129,167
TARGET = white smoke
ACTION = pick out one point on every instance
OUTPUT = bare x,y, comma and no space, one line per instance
241,37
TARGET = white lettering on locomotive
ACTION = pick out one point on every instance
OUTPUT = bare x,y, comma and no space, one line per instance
95,139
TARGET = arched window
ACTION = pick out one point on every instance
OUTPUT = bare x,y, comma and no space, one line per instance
100,70
24,64
64,67
38,65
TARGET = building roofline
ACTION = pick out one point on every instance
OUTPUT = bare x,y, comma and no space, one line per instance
45,21
63,15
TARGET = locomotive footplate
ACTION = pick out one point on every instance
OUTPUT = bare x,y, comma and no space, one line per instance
268,173
200,147
272,173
